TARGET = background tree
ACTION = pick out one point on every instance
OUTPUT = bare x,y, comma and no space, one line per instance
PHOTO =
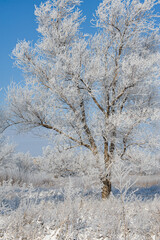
95,92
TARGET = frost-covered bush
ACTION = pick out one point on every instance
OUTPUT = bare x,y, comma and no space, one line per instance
6,157
16,167
66,163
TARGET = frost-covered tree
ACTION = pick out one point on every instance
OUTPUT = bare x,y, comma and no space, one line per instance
6,151
98,92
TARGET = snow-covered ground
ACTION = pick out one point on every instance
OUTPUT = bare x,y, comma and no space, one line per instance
72,214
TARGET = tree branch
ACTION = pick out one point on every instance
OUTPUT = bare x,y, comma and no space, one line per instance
92,96
81,143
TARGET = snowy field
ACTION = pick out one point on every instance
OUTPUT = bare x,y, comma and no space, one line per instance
51,213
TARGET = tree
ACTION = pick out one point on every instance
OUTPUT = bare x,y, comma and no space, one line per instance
93,91
6,151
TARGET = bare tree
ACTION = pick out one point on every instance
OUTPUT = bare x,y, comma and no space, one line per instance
95,92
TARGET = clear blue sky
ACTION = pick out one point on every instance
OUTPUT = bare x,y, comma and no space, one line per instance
17,22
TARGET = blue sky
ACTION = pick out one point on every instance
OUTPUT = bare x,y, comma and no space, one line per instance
17,22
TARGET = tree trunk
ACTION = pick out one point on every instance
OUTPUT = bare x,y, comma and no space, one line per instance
106,189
